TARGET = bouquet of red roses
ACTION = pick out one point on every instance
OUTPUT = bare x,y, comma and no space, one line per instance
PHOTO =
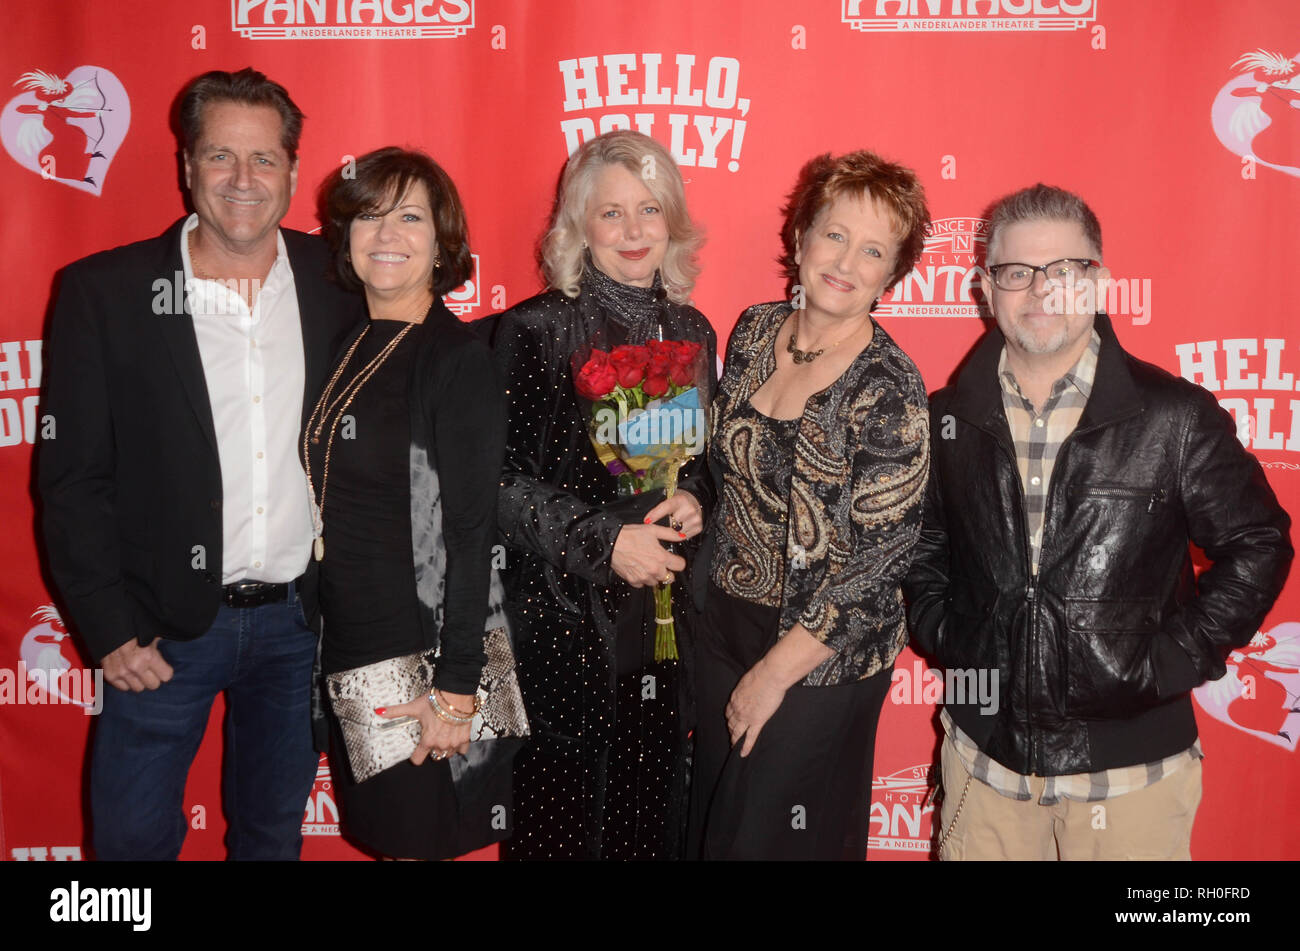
646,415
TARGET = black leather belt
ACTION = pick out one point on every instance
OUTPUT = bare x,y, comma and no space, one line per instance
251,594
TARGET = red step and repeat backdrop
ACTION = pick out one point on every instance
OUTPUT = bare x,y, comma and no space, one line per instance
1176,119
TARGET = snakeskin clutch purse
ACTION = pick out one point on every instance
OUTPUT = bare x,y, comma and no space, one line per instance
375,743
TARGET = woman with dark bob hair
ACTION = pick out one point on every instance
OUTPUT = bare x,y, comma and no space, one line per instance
604,774
820,454
403,452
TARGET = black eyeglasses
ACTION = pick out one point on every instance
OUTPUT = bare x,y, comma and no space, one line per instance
1016,277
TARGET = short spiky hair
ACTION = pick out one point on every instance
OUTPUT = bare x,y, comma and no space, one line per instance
247,87
861,174
1041,203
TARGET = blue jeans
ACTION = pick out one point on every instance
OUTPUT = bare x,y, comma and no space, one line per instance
145,742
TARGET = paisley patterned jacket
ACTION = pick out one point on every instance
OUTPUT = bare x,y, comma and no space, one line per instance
854,512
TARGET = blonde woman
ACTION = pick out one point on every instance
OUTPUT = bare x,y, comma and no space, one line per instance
604,775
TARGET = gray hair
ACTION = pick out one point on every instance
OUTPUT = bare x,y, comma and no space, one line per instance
1042,203
562,247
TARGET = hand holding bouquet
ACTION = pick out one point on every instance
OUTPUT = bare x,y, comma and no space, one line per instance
646,414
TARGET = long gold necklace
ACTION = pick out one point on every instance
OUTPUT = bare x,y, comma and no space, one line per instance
322,413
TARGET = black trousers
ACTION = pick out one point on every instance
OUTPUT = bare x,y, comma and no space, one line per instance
804,790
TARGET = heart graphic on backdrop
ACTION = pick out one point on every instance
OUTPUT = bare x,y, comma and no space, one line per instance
67,129
1257,112
1260,693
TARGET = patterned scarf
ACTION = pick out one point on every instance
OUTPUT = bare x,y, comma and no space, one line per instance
636,309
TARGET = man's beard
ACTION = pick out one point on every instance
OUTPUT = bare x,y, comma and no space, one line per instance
1031,342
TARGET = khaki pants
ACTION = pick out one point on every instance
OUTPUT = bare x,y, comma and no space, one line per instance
1151,823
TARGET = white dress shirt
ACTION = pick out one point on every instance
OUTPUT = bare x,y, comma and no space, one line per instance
253,364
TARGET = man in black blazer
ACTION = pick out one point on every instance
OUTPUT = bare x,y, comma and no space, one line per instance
177,518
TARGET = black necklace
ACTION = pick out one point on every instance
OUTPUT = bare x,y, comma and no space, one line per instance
808,356
801,356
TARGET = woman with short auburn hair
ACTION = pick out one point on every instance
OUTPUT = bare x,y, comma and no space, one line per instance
820,454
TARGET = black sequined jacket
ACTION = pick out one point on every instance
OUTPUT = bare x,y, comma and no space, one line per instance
559,513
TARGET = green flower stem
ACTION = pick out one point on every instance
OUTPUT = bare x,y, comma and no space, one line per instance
665,634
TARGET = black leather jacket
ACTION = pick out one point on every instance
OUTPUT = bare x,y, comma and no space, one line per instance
1097,653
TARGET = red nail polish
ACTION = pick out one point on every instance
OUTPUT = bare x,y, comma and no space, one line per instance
646,520
682,534
379,711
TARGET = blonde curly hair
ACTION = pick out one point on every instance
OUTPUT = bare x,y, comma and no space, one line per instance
562,247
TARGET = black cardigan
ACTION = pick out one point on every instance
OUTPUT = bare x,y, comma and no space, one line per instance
458,426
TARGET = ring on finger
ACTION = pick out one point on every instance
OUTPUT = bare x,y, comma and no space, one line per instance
676,525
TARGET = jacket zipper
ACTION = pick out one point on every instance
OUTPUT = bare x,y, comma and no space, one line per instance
1154,497
1031,589
1031,594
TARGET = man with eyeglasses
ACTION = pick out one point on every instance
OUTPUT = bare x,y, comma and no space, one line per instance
1067,481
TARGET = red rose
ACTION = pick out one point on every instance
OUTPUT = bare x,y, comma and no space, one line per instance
681,374
655,385
630,354
661,359
659,347
684,351
597,378
629,363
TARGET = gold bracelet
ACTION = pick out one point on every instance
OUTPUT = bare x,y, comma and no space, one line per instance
461,713
450,714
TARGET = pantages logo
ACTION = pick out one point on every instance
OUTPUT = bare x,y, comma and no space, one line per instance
900,814
976,16
940,283
321,816
351,19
